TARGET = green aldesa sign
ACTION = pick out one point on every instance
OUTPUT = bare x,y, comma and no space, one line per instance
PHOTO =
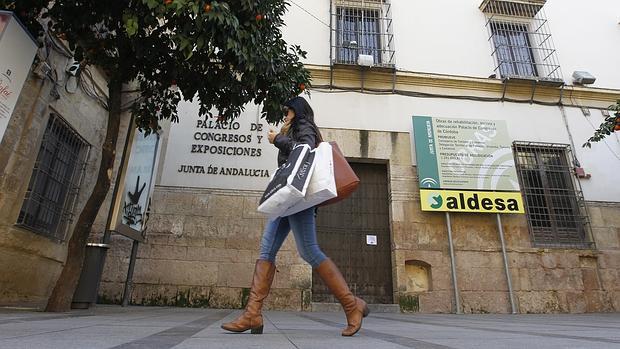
465,155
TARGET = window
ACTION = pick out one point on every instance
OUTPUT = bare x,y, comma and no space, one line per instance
362,27
555,209
513,50
521,42
48,204
358,32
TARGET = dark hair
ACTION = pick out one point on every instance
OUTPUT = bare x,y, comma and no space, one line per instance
303,110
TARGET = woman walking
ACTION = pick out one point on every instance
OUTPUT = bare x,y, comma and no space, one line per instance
299,128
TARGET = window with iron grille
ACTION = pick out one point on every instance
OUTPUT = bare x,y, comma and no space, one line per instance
362,27
49,202
521,41
513,49
555,208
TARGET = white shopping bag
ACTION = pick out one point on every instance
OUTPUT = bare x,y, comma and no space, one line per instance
322,185
289,182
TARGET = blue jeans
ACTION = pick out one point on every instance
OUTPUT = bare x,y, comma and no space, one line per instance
303,225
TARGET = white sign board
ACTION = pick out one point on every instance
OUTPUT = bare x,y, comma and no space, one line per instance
17,51
371,240
138,180
203,153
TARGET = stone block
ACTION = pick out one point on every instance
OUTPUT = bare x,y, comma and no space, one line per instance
225,298
590,279
224,206
397,212
293,276
609,259
606,238
250,206
540,302
596,216
437,302
596,302
218,255
480,259
549,279
240,243
301,276
173,252
184,241
615,296
548,260
175,272
576,302
481,279
18,282
284,299
167,224
485,302
115,269
110,292
568,259
521,279
404,236
235,274
610,279
611,216
430,238
215,242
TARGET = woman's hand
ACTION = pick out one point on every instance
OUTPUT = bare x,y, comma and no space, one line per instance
272,136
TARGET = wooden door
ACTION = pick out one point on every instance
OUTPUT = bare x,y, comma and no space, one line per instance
342,230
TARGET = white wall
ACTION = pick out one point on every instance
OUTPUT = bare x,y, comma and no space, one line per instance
525,123
587,36
449,36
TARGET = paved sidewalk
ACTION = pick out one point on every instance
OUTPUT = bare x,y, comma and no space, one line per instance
182,328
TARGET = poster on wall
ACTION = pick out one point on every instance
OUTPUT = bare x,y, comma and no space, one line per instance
466,165
204,153
17,52
137,184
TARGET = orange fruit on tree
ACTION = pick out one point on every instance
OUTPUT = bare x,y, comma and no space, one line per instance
168,2
208,7
259,17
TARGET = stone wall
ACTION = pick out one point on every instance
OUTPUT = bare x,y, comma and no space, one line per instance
31,263
202,245
200,251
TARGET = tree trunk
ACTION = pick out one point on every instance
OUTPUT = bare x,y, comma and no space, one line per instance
62,295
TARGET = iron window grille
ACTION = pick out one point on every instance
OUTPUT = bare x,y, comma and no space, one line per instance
554,203
362,27
520,39
50,199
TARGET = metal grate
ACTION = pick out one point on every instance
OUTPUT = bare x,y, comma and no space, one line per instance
555,208
521,41
56,177
362,27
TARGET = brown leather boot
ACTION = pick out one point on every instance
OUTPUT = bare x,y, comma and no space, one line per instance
354,308
251,319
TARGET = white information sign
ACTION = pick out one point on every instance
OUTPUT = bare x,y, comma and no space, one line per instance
371,240
17,51
203,153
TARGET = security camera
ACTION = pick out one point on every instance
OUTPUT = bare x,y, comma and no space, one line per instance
583,78
73,67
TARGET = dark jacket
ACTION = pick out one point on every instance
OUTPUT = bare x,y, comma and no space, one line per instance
302,131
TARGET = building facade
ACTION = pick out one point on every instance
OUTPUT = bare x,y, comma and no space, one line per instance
375,64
